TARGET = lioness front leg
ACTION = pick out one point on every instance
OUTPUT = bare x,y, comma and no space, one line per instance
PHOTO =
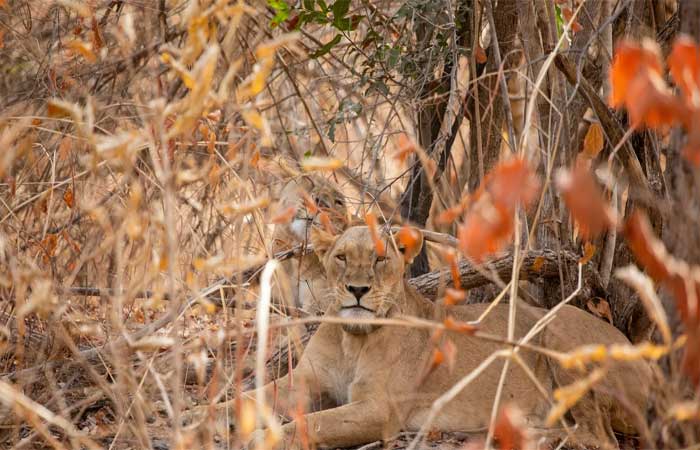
352,424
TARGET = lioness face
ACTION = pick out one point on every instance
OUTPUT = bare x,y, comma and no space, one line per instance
364,285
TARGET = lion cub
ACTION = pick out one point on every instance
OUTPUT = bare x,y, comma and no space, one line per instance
375,375
306,274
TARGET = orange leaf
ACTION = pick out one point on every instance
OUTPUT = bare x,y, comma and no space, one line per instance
600,308
584,200
454,296
409,238
309,202
97,41
538,263
82,48
379,246
406,148
684,65
681,279
451,214
630,61
593,142
326,222
488,225
510,429
588,252
449,350
284,216
68,198
480,54
568,14
461,327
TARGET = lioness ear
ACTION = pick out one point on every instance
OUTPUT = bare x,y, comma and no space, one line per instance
410,242
321,241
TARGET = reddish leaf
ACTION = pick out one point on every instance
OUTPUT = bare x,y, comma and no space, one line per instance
454,296
451,214
684,65
326,222
410,239
449,349
510,430
637,83
691,358
568,14
309,202
584,200
538,263
600,308
460,327
588,253
631,61
488,224
406,148
379,246
284,216
681,279
68,198
480,54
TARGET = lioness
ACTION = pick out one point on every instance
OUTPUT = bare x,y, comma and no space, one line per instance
375,375
306,274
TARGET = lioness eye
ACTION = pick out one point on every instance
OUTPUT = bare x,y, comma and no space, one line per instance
381,259
340,257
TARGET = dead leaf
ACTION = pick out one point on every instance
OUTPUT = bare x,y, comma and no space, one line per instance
68,198
600,308
510,429
594,142
480,54
371,221
318,163
588,253
454,296
284,216
453,324
584,200
538,263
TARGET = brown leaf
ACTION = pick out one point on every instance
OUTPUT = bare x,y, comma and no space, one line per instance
480,54
538,263
68,198
600,308
593,143
584,200
65,147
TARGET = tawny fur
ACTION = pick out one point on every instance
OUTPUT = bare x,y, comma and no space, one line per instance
372,375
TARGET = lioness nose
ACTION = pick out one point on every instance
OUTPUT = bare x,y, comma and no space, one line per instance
357,291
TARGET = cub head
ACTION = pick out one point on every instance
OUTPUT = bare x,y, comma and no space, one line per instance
325,195
363,284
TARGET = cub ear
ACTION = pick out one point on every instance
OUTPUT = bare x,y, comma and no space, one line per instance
322,241
409,241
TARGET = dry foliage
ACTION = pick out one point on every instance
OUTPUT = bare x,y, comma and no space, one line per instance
143,146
